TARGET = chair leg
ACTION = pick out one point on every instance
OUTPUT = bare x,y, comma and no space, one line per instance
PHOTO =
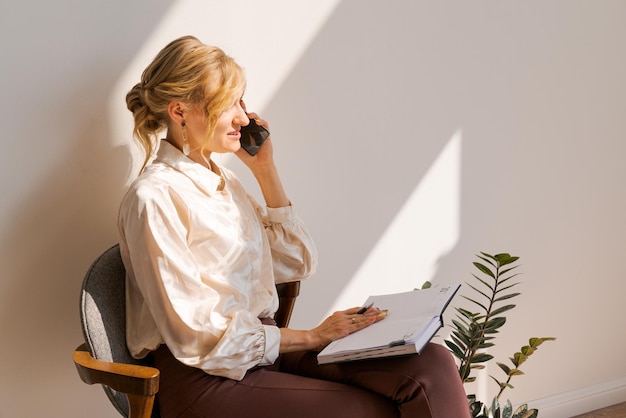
140,406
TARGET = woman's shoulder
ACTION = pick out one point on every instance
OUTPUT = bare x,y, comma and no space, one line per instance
155,182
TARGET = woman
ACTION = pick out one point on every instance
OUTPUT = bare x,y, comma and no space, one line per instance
203,259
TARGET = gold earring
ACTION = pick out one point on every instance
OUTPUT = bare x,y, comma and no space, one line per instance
185,143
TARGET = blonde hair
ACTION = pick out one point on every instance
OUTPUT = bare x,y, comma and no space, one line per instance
189,71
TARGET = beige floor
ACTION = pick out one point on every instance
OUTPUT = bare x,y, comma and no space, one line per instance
615,411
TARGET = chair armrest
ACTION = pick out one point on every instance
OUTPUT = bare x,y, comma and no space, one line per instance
127,378
287,294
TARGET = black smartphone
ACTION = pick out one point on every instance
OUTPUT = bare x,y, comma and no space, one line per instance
252,137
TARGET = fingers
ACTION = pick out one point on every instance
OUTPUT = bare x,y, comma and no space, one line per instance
360,321
368,310
342,323
352,311
258,120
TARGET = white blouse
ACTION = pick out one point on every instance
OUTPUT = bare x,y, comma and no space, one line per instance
202,260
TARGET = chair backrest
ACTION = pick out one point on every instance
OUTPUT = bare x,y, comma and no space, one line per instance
103,316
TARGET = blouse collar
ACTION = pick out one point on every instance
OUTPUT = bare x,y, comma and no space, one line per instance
199,174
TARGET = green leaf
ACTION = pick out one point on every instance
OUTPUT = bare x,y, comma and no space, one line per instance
488,255
518,359
461,341
455,349
467,322
483,345
506,369
484,282
473,301
497,382
462,335
466,319
495,408
484,269
533,413
458,344
505,271
494,323
502,385
459,327
487,259
512,295
474,405
504,259
467,314
480,292
525,413
502,289
427,285
522,409
536,342
506,279
502,309
480,358
507,410
462,328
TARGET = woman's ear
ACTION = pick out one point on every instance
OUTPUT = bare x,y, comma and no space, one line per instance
176,112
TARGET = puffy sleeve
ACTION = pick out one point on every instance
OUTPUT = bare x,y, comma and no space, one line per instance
206,322
294,254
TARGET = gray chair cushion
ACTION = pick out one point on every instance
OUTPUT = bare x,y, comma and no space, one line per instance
103,316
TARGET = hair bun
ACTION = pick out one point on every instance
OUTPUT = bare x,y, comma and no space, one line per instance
134,99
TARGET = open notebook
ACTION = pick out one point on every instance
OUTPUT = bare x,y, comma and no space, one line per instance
413,319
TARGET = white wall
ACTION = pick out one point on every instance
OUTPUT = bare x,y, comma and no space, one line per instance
410,135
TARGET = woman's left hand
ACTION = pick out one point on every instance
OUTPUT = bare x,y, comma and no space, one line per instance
342,323
264,170
265,156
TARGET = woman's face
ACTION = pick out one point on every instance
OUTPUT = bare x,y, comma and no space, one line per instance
226,134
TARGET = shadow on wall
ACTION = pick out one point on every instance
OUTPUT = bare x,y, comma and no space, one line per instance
381,90
371,108
67,214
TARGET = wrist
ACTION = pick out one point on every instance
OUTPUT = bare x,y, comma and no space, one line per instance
316,341
271,186
263,171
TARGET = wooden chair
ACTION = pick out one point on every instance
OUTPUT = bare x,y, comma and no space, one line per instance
130,384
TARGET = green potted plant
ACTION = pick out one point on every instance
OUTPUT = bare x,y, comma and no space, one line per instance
474,332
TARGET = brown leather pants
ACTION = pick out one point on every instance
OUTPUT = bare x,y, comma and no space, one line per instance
424,386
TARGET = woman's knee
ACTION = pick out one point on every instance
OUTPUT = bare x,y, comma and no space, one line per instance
439,354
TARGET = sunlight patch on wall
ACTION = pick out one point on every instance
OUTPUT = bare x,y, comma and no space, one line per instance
252,32
424,230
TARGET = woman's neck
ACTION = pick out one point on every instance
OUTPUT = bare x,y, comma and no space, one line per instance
194,154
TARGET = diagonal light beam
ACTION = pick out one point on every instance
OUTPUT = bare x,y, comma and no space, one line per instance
424,230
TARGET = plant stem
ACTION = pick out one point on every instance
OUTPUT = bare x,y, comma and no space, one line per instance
471,349
502,387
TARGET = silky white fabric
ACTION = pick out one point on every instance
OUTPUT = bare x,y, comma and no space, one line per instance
202,259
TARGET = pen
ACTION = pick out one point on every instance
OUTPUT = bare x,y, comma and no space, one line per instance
364,309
